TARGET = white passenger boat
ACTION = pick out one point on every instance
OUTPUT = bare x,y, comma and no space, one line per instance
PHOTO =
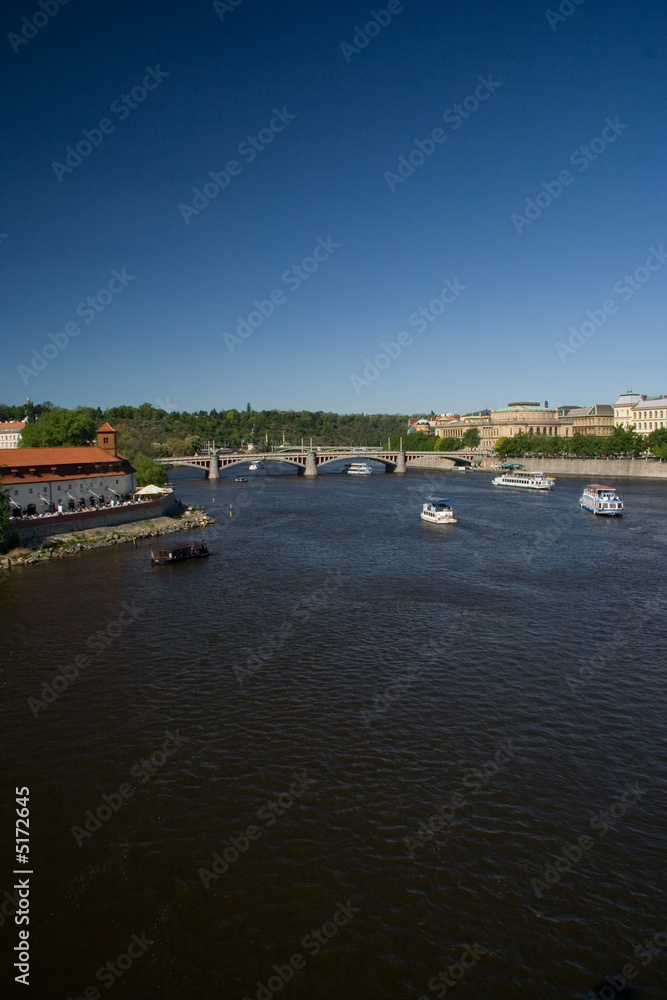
601,500
359,469
438,511
257,464
525,480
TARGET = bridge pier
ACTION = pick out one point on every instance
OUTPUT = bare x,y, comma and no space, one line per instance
400,462
311,464
214,467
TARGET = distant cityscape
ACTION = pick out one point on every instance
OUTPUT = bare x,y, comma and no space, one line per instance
630,410
643,413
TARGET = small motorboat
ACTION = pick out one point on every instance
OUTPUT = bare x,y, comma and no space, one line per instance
438,511
159,557
241,479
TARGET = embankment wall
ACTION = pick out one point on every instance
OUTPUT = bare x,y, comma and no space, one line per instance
596,469
33,528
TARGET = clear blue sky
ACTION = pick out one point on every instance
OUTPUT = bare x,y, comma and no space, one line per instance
344,118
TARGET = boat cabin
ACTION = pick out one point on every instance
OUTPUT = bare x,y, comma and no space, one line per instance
179,554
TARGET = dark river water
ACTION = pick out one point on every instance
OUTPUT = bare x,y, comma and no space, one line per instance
349,755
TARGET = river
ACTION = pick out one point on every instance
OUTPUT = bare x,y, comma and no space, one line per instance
348,752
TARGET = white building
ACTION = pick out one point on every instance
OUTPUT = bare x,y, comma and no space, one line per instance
10,433
644,413
44,480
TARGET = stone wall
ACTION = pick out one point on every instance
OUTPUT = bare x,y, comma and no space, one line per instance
596,469
34,528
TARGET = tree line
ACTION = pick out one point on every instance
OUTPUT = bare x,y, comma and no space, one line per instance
622,443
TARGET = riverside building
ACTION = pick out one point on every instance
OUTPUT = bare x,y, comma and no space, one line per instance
644,413
515,418
10,433
48,480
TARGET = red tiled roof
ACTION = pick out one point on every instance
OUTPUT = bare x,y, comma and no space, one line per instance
106,427
12,425
32,465
55,456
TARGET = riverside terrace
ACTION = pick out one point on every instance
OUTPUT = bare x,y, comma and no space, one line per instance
308,461
109,515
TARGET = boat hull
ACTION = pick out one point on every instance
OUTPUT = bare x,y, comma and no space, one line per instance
594,510
438,520
164,557
525,486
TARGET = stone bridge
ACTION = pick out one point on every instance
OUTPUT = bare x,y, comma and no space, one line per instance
308,461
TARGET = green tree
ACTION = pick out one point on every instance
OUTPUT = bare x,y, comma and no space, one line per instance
149,472
59,428
657,442
471,438
626,441
449,444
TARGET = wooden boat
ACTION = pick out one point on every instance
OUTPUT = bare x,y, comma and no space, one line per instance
179,554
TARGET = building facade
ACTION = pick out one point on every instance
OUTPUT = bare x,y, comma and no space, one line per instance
10,433
650,414
623,407
597,419
515,418
45,480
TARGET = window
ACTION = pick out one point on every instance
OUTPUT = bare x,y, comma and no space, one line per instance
106,440
30,490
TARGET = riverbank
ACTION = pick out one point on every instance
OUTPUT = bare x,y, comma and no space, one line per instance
596,469
71,543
